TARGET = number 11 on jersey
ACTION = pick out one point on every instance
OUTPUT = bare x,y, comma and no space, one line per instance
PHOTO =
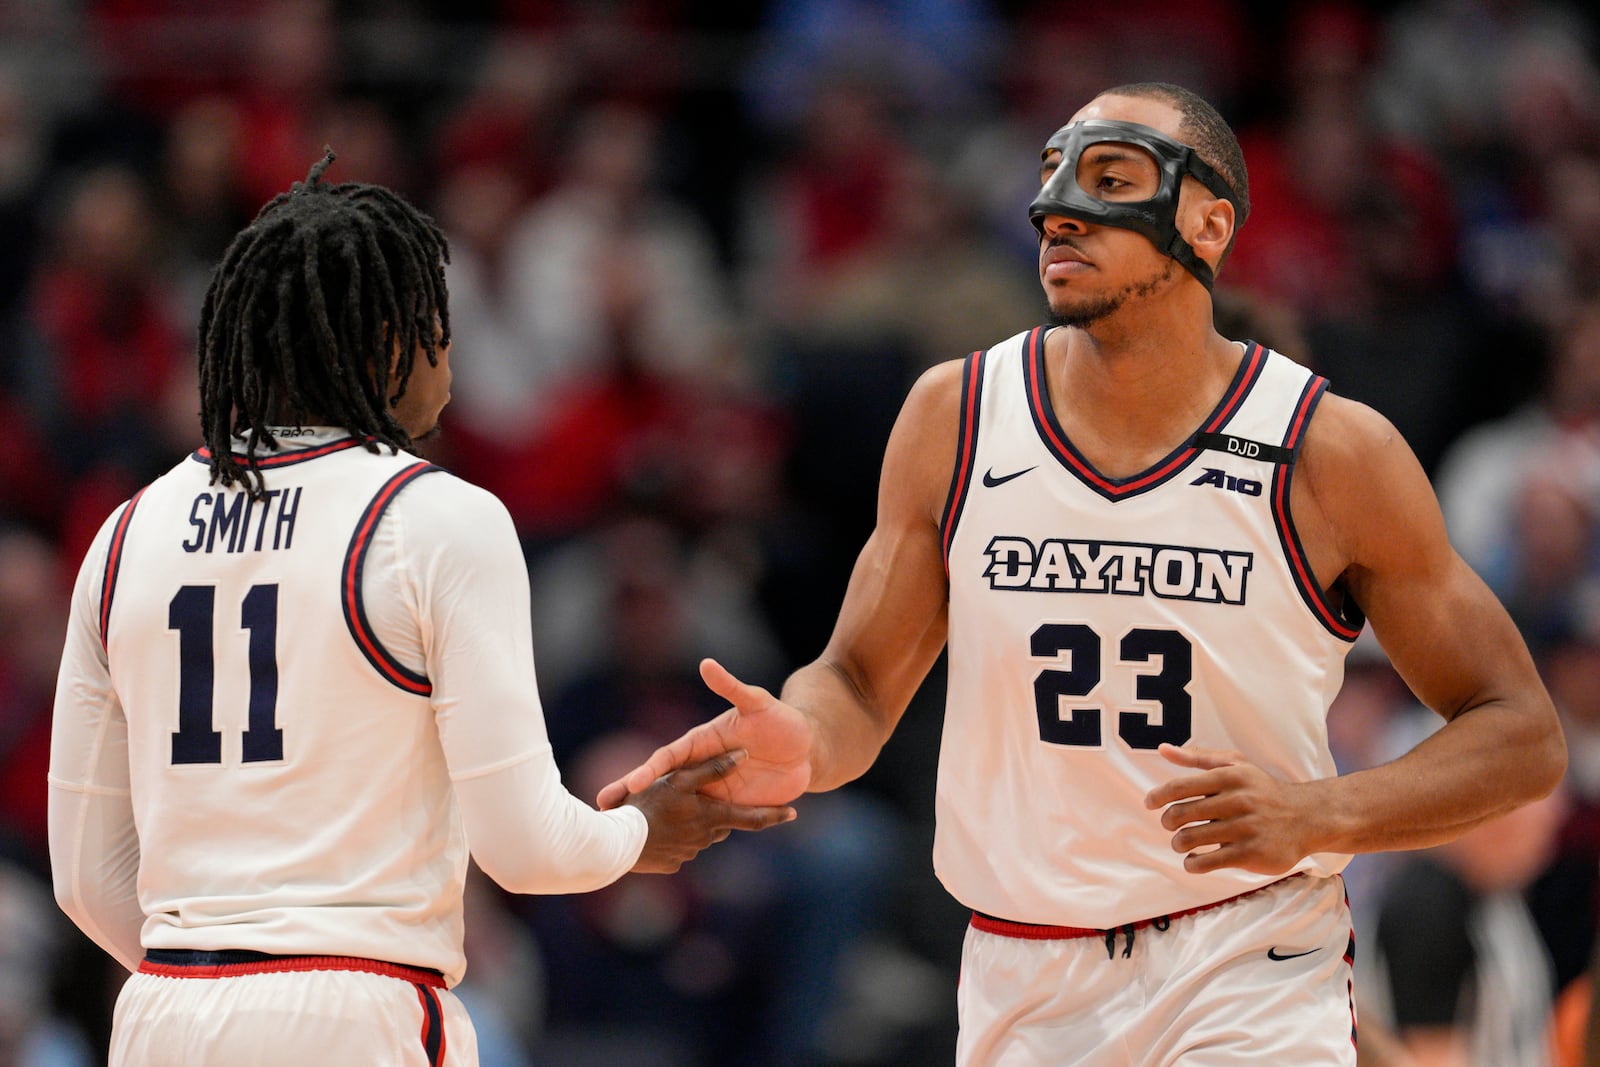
192,613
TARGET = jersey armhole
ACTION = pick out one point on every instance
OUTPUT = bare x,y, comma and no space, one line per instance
1345,620
966,451
350,581
113,565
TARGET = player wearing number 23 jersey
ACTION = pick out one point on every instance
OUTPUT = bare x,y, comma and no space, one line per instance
1146,549
1092,619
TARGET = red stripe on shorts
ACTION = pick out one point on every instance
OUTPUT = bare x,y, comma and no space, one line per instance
1039,932
282,964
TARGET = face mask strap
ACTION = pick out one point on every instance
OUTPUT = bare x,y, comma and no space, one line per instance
1155,218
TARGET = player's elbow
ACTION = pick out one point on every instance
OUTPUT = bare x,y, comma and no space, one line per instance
1532,751
66,880
1547,764
64,885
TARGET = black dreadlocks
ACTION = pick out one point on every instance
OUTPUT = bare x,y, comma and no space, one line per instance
305,313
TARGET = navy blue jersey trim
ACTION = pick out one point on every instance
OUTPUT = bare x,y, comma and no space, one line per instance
966,451
355,609
1055,438
1344,623
113,568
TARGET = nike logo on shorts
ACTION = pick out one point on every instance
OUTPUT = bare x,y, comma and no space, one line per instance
1274,954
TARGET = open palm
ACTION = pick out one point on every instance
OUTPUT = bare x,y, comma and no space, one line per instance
775,737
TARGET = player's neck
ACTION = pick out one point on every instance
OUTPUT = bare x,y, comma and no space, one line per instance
1128,397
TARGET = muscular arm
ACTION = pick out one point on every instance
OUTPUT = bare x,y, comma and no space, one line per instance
891,626
1366,513
835,714
1369,510
1447,636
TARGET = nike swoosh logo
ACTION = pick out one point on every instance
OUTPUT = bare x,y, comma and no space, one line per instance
1274,954
991,481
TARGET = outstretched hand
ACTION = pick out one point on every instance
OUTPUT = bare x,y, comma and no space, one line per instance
683,820
1231,814
775,737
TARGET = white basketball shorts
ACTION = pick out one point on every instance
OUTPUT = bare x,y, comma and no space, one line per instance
259,1015
1263,978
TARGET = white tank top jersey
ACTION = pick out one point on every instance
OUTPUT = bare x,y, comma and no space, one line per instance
281,791
287,766
1093,618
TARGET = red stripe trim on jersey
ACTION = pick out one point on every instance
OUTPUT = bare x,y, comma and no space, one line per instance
284,459
355,612
1040,932
1055,437
108,581
1315,597
419,976
966,452
432,1025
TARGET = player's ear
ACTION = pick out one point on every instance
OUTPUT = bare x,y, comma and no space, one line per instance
1210,226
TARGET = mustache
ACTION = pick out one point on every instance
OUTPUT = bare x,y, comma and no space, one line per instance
1065,240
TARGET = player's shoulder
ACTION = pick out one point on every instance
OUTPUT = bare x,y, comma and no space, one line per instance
930,419
437,507
1347,437
938,387
938,390
437,491
1357,472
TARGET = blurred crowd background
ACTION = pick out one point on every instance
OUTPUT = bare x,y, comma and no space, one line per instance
700,251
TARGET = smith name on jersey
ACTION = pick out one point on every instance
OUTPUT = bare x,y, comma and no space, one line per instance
1094,618
233,522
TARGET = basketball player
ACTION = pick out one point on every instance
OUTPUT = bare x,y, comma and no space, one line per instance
1148,549
298,683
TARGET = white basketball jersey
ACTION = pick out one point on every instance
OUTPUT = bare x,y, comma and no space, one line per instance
288,784
1093,618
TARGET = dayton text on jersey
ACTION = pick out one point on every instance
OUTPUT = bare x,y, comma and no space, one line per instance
1172,572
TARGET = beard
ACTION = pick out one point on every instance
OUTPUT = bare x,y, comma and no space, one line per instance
1087,314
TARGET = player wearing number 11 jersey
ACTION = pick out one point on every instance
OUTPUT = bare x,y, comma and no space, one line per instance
1147,548
298,683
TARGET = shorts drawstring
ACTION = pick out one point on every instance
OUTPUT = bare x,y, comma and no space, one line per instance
1160,924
